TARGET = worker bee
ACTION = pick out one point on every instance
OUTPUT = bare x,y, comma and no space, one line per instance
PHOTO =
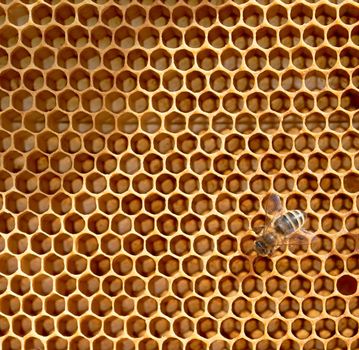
284,229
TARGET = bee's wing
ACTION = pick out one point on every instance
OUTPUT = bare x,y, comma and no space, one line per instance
272,204
302,238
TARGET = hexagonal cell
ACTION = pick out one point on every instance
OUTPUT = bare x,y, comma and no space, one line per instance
15,202
78,36
108,203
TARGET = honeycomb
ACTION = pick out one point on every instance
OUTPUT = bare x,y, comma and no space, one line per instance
138,140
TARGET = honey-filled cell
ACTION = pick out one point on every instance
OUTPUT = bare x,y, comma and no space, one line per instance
138,142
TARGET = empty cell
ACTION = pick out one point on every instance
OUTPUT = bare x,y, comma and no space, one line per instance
229,15
205,286
218,37
112,59
314,81
152,164
83,162
352,268
13,161
289,36
126,81
186,102
312,307
337,36
205,16
349,14
186,143
18,14
313,36
111,16
291,81
325,14
45,101
34,121
89,59
348,327
255,60
137,59
183,59
198,123
346,244
338,80
183,327
334,265
195,81
301,14
242,38
302,58
194,37
222,123
245,123
158,286
277,15
9,36
78,36
94,142
54,36
182,16
67,57
207,59
321,244
22,100
44,58
90,326
349,100
31,36
163,101
336,344
232,103
278,59
266,37
172,38
133,244
342,203
340,162
323,286
210,143
101,37
327,101
68,101
277,328
135,15
10,80
88,15
56,79
159,15
70,142
269,81
63,242
253,15
160,59
301,328
65,14
41,14
56,343
148,37
271,164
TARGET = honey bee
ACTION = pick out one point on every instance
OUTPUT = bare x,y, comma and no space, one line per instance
284,229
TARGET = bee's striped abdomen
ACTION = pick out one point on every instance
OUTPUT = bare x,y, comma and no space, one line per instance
290,222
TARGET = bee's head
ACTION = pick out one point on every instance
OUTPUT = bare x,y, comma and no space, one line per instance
261,247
